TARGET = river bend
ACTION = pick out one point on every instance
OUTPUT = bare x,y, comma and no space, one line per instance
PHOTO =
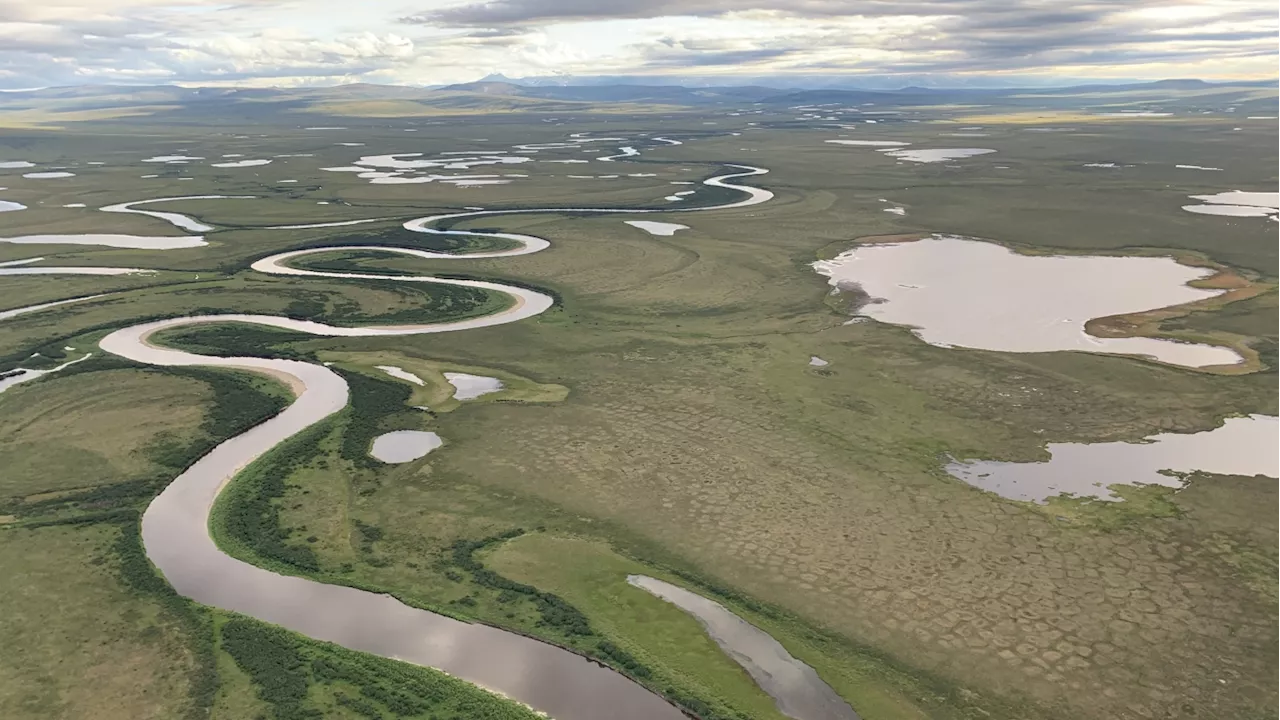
175,526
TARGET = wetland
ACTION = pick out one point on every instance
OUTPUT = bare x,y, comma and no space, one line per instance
694,407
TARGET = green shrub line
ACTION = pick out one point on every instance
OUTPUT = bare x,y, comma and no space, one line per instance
246,516
371,401
137,572
233,339
15,358
555,612
286,668
238,403
244,521
345,264
558,614
258,538
557,300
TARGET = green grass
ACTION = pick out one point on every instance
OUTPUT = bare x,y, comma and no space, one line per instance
73,432
436,393
80,644
669,642
694,438
93,629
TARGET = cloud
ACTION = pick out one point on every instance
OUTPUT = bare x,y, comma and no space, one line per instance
51,42
155,41
957,35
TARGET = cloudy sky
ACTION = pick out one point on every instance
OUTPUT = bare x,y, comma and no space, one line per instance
322,42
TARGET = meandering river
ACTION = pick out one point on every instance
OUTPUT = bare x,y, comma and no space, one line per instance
175,525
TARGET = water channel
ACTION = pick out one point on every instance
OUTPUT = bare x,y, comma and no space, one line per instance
175,525
795,686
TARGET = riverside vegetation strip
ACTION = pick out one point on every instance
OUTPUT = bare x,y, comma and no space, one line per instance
711,330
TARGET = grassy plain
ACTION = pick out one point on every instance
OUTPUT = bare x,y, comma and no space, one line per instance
695,440
78,644
70,434
85,638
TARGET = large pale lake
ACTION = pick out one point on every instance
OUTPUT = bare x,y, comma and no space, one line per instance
956,291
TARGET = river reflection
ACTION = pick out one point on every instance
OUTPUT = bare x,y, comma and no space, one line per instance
175,524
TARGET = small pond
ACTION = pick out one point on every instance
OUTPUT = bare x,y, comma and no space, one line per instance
404,446
470,387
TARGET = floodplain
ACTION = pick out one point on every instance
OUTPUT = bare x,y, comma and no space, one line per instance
662,415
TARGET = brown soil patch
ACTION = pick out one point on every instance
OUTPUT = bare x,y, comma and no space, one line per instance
1147,323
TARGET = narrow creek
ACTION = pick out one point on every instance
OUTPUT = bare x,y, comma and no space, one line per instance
793,685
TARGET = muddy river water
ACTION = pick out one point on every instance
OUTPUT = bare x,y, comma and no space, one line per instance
175,525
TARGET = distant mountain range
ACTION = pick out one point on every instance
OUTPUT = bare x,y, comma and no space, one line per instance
496,94
934,82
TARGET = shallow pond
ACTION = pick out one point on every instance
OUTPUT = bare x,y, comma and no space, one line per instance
960,292
470,387
404,446
870,143
796,688
400,373
936,154
241,163
1237,203
1241,446
136,242
657,228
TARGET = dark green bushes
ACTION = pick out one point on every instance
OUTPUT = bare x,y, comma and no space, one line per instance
285,669
623,659
248,514
371,401
234,340
271,657
554,611
238,403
